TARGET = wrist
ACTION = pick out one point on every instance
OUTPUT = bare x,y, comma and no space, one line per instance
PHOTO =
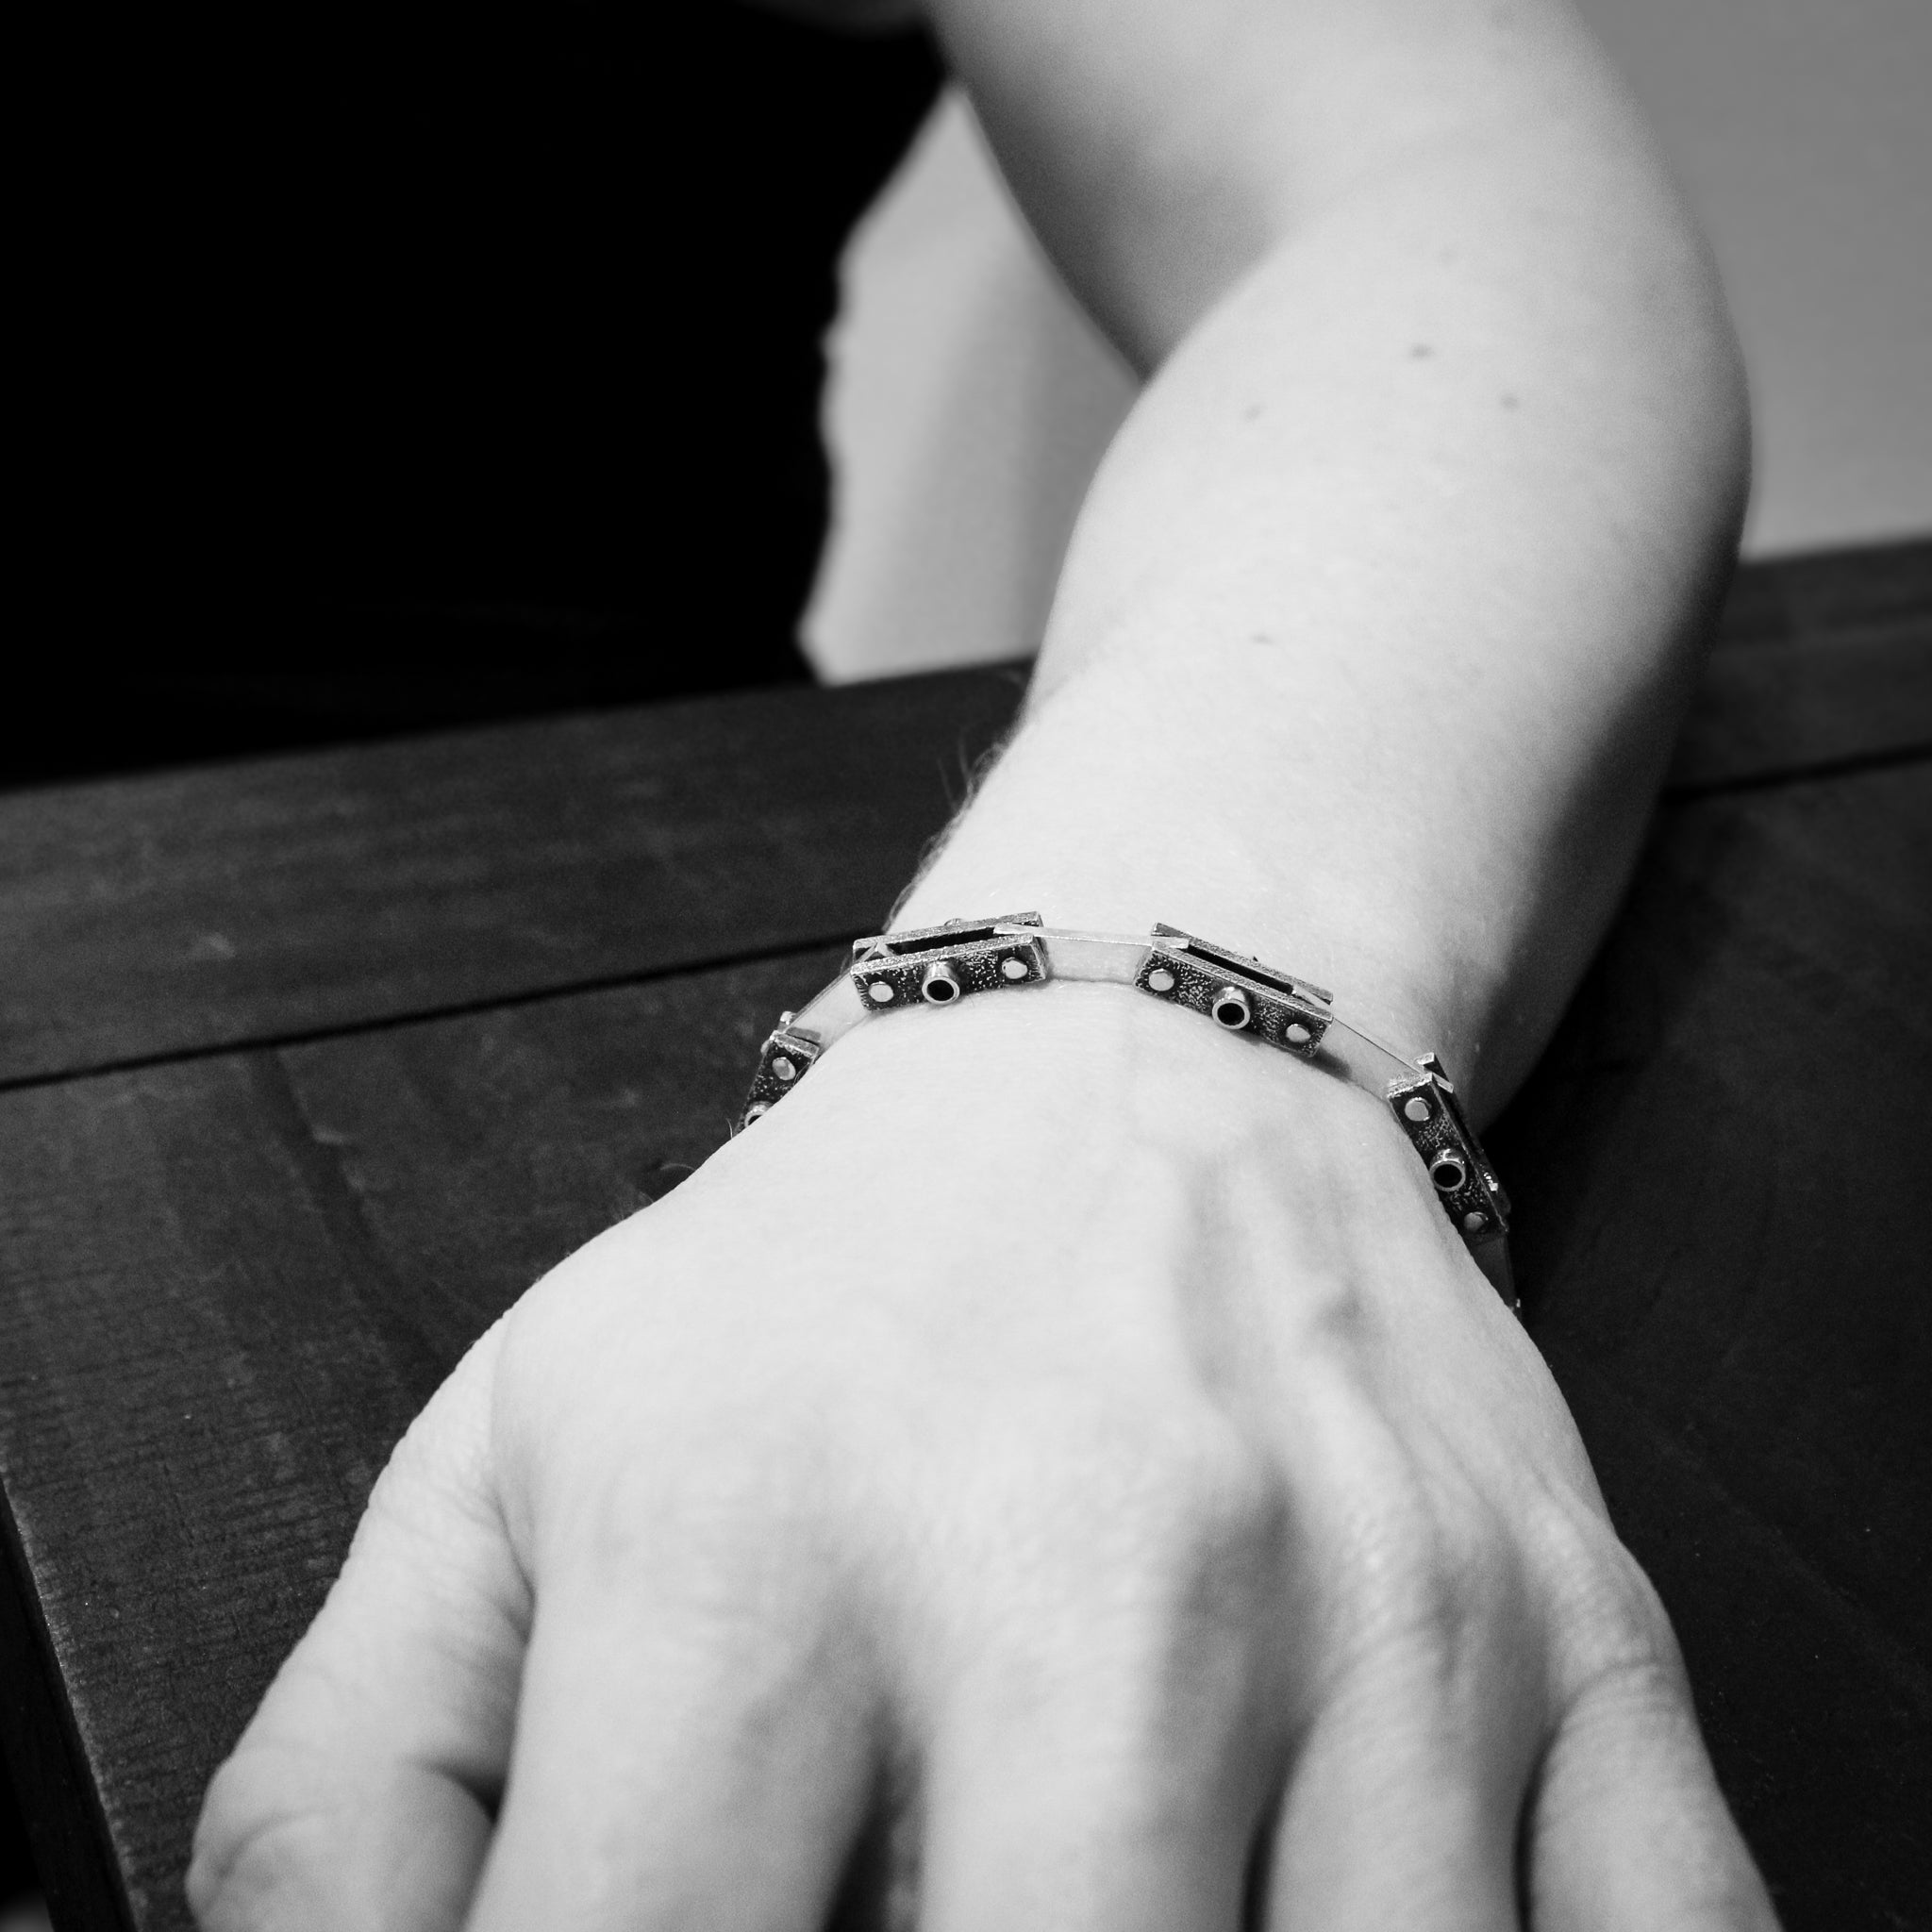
1103,856
1063,1085
942,966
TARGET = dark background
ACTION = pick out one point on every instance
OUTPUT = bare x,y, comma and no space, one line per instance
407,365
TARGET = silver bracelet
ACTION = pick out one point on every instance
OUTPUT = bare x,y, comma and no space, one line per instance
941,964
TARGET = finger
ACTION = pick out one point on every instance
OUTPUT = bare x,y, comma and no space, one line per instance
681,1762
1628,1831
1117,1789
360,1794
1069,1826
1402,1804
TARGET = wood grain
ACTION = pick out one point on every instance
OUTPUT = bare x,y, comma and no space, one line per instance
1821,664
290,898
228,1283
231,1273
1721,1171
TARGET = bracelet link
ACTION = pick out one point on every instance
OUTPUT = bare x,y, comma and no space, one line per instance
1430,1113
941,964
1235,991
785,1060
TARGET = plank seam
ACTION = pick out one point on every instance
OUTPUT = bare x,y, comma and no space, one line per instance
1854,765
385,1023
1670,797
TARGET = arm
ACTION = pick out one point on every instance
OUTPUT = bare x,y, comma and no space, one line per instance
1401,571
1061,1467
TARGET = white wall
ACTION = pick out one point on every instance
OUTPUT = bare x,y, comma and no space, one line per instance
970,399
1802,130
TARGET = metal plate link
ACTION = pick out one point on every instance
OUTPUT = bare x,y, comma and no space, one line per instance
1235,991
1430,1114
784,1060
942,964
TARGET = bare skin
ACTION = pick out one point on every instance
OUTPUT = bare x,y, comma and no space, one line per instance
1059,1445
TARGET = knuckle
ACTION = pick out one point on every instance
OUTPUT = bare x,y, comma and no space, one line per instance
1637,1689
1611,1623
258,1850
1627,1697
1143,1589
747,1558
1433,1578
1207,1504
1186,1516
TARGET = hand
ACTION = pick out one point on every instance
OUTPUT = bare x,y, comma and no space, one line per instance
1058,1470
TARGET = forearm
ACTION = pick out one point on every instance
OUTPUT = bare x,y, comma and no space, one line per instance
1382,612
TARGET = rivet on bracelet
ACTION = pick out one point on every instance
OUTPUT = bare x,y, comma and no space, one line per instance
1014,969
1160,980
1416,1108
1231,1008
880,992
1296,1034
785,1070
1474,1222
940,985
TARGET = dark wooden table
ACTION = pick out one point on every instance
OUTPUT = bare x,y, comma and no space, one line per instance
307,1066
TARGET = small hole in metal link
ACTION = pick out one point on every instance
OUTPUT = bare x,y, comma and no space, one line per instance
1231,1008
1447,1171
941,986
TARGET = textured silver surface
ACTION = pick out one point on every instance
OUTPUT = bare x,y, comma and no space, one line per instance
1479,1209
981,956
1197,972
785,1057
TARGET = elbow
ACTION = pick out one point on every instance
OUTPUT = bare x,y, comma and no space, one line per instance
1708,375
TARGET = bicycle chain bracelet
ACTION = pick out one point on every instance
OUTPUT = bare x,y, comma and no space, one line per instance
942,964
